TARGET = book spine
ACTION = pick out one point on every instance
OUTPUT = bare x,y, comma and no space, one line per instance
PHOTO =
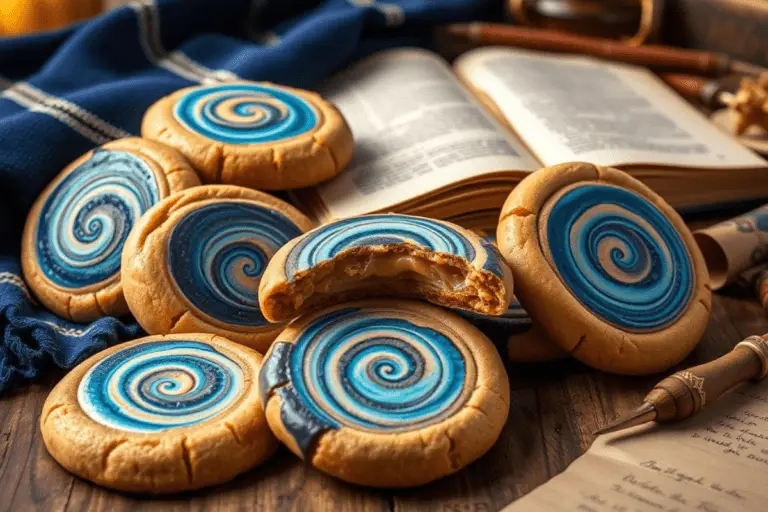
736,27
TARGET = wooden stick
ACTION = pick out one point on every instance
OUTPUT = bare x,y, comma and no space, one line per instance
663,58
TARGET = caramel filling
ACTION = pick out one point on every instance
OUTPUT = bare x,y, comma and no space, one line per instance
402,272
350,272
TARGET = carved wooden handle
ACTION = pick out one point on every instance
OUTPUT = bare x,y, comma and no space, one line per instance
657,57
681,395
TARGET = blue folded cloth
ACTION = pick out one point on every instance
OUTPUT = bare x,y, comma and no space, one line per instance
65,92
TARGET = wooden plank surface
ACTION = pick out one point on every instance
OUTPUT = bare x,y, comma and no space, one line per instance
554,409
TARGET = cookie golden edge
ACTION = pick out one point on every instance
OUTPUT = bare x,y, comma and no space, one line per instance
412,458
280,301
580,333
301,161
173,174
150,290
169,461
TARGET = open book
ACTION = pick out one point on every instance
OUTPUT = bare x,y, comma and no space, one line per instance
452,143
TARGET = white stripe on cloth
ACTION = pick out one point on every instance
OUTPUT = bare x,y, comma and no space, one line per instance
393,14
176,62
74,123
79,119
18,282
72,109
67,331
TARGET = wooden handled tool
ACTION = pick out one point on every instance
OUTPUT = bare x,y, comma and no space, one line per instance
684,393
662,58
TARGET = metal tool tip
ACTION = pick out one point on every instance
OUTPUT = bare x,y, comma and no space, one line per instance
642,414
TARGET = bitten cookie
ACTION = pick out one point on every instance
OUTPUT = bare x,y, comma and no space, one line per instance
386,255
605,267
160,414
386,393
257,135
515,317
75,231
194,261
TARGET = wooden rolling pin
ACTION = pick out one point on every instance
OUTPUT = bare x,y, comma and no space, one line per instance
684,393
661,58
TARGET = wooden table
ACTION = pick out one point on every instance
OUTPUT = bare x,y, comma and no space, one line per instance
555,407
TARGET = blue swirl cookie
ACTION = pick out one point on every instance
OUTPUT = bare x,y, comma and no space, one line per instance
526,343
386,393
605,267
76,229
386,255
514,319
253,134
194,262
160,414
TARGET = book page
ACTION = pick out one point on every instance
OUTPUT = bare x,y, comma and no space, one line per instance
716,461
416,130
573,108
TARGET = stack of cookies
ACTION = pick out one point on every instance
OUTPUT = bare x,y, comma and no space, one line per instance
341,341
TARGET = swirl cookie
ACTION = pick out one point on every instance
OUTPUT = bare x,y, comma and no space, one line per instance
605,267
256,135
194,262
515,317
76,229
385,393
386,255
160,414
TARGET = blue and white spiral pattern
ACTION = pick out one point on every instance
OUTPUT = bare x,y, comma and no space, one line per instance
376,371
331,239
160,385
245,113
620,256
217,255
86,218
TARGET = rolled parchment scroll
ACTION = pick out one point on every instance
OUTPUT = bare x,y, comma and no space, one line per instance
735,245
